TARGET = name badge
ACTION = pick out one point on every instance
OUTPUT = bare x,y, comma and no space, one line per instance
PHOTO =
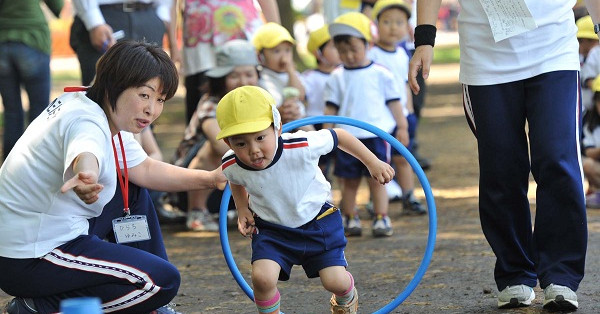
131,229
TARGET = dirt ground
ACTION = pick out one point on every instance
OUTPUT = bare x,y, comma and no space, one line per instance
458,280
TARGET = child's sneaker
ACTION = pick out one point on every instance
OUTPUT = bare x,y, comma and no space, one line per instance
515,296
19,305
593,200
351,308
382,226
560,298
411,206
201,220
166,309
352,226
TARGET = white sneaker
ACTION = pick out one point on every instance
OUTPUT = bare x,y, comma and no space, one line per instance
560,298
394,191
382,226
201,220
515,296
352,227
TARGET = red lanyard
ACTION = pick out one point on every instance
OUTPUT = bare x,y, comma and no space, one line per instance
123,183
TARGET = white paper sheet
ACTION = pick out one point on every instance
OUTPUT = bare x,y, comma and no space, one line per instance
508,17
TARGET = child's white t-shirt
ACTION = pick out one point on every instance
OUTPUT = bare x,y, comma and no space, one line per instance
363,94
274,82
397,62
589,71
314,85
291,191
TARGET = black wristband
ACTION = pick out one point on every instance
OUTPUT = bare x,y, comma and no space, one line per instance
425,35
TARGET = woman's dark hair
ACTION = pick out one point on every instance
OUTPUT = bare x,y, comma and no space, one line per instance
592,118
131,64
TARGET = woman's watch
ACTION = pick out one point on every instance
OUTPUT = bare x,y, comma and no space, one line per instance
596,28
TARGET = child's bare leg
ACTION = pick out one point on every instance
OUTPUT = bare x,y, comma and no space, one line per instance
404,174
199,218
265,274
349,191
382,225
340,282
379,197
591,169
406,180
198,199
336,279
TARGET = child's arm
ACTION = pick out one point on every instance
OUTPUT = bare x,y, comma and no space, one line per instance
409,100
245,217
593,152
379,170
294,81
329,110
401,122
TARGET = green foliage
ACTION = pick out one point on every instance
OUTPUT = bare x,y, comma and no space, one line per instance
446,54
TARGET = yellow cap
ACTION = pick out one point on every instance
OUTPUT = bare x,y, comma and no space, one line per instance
585,28
270,35
596,84
246,109
354,24
382,5
317,39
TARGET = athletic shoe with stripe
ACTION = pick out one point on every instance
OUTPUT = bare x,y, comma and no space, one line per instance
560,298
515,296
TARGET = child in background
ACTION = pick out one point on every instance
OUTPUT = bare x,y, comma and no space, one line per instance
591,148
322,47
275,48
290,221
365,91
236,66
392,17
589,59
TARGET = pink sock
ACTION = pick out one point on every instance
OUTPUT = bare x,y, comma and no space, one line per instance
269,306
348,295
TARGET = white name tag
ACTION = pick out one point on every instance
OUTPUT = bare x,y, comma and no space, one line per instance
131,229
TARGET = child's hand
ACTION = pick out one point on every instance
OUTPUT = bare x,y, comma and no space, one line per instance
289,110
402,136
381,171
246,222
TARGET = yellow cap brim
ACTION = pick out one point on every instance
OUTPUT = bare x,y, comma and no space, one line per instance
244,128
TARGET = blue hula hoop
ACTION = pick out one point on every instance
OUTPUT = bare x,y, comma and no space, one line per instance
403,151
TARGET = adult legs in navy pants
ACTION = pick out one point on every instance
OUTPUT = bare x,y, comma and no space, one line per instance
128,278
554,252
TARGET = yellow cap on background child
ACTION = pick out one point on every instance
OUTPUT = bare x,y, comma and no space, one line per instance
382,5
585,28
596,84
270,35
246,109
317,39
354,24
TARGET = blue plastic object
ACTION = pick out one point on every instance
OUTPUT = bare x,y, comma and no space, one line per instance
412,285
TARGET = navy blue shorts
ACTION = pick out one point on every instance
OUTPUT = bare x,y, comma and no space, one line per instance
412,130
346,166
318,244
